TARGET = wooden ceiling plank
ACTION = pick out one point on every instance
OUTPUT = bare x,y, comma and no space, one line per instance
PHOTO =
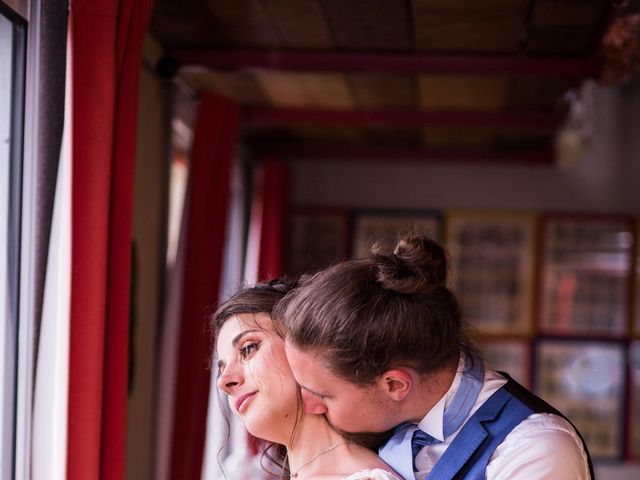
568,13
482,9
301,24
559,41
306,90
328,90
463,92
241,87
283,89
536,93
469,25
469,37
384,91
365,25
566,27
244,23
183,25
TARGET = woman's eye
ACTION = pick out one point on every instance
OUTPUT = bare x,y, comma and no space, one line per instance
248,349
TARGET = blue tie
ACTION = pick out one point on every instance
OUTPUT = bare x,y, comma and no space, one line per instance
419,440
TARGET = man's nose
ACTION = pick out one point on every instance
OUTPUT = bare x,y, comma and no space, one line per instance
313,404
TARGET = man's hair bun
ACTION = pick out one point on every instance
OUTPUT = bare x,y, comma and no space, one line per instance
416,265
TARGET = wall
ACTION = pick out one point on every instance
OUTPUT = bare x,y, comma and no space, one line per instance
20,6
604,181
149,234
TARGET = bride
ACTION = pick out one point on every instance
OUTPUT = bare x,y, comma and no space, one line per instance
262,392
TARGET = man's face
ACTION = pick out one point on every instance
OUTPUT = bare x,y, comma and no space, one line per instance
346,406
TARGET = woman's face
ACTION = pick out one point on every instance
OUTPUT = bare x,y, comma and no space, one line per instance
254,372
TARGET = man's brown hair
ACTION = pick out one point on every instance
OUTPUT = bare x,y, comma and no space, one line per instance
364,316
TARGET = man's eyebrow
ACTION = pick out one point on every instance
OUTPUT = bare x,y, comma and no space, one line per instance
313,392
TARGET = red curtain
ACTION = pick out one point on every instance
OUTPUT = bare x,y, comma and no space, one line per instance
106,41
208,200
275,194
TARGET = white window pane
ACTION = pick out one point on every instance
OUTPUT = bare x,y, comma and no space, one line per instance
7,336
11,107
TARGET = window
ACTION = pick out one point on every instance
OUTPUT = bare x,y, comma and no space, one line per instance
12,70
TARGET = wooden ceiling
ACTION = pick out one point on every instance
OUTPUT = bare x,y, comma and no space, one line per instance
372,78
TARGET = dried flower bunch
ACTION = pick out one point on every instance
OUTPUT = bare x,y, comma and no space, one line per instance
620,50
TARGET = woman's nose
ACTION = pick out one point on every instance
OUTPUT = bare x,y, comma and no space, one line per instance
229,379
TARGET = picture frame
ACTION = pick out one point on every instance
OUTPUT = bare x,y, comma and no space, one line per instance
509,355
316,238
634,402
585,275
371,226
493,260
635,317
585,380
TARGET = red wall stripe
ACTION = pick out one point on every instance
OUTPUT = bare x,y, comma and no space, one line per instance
275,195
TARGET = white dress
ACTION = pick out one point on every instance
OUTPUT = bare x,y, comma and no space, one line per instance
376,474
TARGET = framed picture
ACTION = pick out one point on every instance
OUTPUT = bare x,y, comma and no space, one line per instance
634,404
585,381
315,239
371,227
492,258
636,294
585,275
511,356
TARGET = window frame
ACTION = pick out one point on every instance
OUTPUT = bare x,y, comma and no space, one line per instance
14,230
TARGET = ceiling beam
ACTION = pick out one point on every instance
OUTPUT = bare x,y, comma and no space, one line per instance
306,151
384,62
266,116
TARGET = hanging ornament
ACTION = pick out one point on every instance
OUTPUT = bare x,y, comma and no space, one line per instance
620,50
574,136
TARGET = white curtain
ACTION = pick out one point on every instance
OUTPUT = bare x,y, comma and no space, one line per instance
50,404
168,355
226,444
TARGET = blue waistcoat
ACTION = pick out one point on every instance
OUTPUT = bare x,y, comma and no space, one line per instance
469,453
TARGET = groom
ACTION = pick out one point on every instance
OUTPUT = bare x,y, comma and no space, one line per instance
375,356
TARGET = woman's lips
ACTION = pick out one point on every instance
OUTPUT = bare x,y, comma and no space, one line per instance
243,400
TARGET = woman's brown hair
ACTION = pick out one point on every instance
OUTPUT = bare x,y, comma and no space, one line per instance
260,298
394,308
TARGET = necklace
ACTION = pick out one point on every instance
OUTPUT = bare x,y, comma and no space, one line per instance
331,448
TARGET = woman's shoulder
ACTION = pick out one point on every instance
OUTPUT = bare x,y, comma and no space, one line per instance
375,474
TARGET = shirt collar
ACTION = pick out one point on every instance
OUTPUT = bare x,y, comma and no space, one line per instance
433,421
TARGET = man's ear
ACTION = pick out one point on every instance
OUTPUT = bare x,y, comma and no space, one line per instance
397,383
